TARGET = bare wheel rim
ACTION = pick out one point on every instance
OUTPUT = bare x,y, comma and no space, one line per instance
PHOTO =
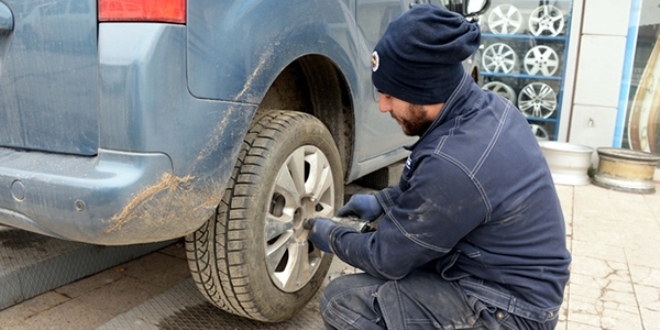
539,132
505,19
304,188
537,100
499,57
501,89
546,19
541,60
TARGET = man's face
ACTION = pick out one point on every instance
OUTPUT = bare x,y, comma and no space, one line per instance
413,118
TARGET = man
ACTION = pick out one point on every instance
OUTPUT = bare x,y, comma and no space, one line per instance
473,236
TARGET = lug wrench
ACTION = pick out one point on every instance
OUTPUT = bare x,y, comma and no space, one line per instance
360,225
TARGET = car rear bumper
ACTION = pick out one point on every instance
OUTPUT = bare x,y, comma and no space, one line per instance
113,198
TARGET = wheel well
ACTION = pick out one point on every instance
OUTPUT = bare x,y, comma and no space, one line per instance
315,85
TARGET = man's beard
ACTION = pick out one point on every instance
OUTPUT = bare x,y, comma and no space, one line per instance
416,124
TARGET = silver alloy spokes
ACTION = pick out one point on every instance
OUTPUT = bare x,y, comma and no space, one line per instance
499,57
541,60
539,132
505,19
501,89
546,20
304,188
537,100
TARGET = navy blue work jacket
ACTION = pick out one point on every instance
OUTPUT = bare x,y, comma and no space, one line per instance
476,202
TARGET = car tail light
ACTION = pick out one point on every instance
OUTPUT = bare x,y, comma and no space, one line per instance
171,11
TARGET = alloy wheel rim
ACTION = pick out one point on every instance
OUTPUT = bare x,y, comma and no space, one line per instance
501,89
499,57
304,188
541,60
505,19
546,20
537,100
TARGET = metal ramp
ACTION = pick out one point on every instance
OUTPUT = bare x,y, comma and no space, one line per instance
31,264
184,307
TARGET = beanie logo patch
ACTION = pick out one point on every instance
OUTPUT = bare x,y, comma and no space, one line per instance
375,61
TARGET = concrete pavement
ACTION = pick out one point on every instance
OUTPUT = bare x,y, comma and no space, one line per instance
614,238
615,278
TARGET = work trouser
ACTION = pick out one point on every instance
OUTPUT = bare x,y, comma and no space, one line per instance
421,300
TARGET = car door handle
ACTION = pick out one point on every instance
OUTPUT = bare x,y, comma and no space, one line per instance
6,18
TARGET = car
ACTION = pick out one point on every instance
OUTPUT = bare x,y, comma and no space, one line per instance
224,122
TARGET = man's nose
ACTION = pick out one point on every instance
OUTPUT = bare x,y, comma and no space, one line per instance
384,103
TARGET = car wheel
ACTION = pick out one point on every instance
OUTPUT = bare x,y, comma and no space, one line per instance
253,258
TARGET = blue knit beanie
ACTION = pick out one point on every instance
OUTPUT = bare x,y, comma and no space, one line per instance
419,57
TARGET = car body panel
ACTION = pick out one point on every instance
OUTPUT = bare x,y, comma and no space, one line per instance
49,77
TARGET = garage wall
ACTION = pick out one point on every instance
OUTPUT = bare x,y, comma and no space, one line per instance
598,71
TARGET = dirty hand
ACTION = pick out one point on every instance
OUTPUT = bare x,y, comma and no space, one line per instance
364,206
320,233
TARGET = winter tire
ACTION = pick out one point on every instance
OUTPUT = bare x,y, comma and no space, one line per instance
253,258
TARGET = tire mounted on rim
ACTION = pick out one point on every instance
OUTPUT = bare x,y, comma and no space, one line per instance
253,258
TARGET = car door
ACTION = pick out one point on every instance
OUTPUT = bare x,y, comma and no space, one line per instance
380,133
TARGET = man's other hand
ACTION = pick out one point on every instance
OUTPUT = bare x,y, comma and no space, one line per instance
363,206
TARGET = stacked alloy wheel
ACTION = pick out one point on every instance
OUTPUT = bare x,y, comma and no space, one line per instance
521,58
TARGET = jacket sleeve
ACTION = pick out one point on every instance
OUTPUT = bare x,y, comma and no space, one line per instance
387,197
440,206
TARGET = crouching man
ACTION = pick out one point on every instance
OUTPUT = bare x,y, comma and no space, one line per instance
473,236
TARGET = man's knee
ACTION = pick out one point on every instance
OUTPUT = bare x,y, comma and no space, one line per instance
334,288
348,284
343,287
350,300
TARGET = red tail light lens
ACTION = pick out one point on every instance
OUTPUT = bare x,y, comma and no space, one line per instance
170,11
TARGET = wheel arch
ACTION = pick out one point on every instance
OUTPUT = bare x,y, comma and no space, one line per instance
314,84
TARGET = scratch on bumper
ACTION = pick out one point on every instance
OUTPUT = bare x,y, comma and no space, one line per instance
136,208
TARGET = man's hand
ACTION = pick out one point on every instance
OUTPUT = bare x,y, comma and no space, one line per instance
365,207
320,233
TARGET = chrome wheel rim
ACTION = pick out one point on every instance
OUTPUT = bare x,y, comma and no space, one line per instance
537,100
546,19
505,19
541,60
304,188
499,57
501,89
